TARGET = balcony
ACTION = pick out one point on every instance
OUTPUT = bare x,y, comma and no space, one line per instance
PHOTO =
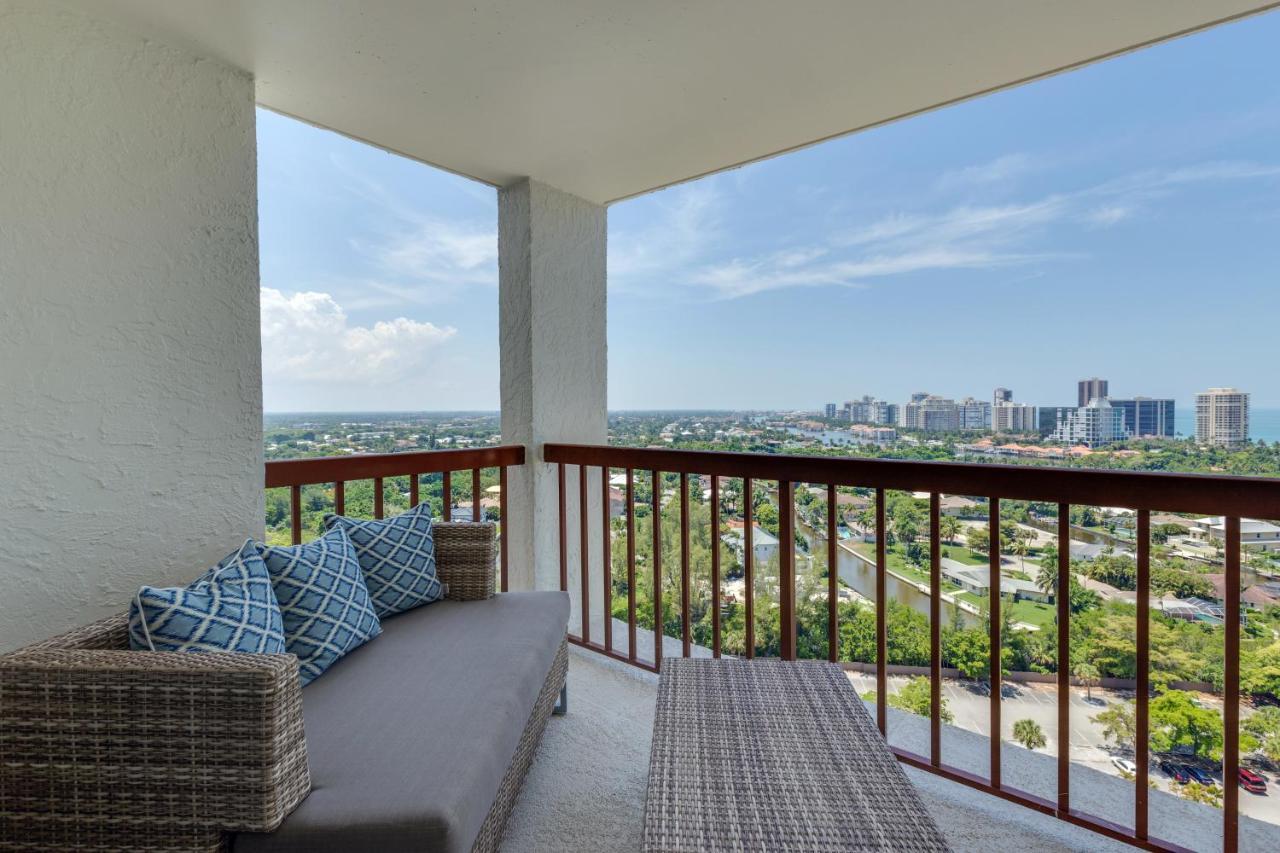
1058,801
131,410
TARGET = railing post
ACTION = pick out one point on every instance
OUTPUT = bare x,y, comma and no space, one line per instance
1142,688
833,576
995,660
631,566
935,630
882,631
606,568
1231,692
446,496
295,513
787,568
564,536
502,527
715,566
658,628
686,630
748,565
1063,601
584,555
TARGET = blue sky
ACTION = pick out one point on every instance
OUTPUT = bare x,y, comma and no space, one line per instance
1122,220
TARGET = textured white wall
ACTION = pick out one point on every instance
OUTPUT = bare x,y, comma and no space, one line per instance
551,260
130,366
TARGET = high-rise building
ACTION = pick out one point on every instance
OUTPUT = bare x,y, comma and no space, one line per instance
869,410
1090,389
1147,417
1002,395
1222,417
1093,425
930,414
919,396
1007,416
830,410
1049,416
974,414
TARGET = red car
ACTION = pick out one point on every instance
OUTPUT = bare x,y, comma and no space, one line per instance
1252,782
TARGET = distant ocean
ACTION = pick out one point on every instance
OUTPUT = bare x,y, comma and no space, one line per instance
1264,424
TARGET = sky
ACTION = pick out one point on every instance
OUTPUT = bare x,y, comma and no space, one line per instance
1121,220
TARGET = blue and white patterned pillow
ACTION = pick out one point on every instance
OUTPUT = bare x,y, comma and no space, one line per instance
323,600
230,608
398,557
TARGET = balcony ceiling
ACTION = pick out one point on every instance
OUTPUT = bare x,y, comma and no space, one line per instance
611,98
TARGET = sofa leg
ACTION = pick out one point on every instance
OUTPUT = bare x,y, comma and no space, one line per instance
562,707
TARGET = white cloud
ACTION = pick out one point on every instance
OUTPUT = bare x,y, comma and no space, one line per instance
964,237
1002,169
687,228
1109,214
433,260
444,249
306,337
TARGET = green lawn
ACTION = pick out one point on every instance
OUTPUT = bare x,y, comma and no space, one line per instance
1032,612
961,554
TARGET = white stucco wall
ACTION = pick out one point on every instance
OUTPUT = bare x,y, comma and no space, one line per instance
551,260
130,365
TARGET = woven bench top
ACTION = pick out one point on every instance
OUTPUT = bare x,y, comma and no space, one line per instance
774,755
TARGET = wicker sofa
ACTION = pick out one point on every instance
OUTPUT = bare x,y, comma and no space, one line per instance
418,740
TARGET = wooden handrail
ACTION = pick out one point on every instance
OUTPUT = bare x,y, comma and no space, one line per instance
329,469
1216,494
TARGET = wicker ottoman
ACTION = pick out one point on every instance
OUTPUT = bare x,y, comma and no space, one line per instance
774,755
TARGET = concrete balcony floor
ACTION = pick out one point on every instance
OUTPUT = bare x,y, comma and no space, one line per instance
585,791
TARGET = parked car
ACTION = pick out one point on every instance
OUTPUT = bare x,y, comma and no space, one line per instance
1252,782
1200,776
1124,765
1175,771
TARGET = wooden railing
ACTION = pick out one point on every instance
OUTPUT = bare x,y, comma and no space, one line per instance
1231,497
293,474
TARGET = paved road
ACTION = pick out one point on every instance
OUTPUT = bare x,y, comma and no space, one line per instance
971,706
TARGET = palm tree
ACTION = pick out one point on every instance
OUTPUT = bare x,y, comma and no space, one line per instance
949,528
1029,734
1047,578
866,519
1088,673
1019,548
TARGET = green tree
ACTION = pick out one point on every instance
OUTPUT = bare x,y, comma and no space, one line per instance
1178,720
1087,673
1082,599
1047,575
1260,670
978,538
1264,726
968,650
916,698
1119,724
1029,734
949,528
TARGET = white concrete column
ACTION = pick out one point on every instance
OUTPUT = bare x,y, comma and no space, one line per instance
130,364
551,260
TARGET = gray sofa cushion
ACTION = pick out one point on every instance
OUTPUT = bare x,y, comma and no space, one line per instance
410,735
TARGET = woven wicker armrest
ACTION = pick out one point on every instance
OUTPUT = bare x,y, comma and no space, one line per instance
106,748
465,555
